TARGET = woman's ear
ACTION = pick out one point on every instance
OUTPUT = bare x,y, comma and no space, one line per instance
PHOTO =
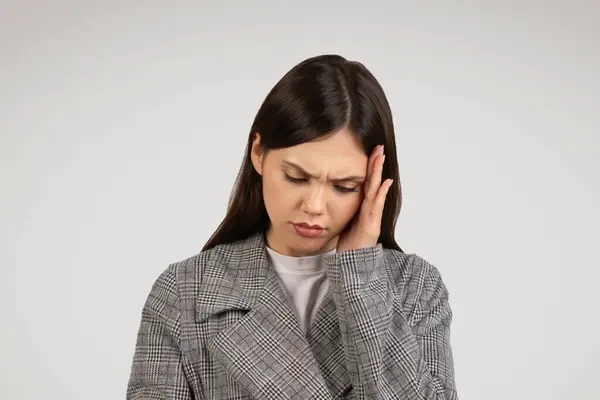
256,153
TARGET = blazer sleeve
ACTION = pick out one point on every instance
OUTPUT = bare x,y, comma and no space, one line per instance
396,339
157,370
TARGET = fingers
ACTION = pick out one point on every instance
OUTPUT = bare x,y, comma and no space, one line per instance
372,158
374,176
380,199
371,211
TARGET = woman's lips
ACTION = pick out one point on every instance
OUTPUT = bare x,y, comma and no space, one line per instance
309,231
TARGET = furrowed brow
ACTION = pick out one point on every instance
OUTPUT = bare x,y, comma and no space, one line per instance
352,178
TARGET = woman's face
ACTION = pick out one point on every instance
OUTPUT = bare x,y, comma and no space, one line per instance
314,183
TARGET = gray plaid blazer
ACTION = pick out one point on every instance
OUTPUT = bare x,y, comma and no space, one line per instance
218,326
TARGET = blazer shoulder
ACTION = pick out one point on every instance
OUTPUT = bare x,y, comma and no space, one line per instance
417,281
188,274
405,267
190,271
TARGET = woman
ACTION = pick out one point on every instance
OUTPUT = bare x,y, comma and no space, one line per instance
303,292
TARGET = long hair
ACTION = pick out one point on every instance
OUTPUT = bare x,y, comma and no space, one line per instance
317,97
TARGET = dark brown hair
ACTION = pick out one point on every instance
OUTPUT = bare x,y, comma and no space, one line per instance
316,98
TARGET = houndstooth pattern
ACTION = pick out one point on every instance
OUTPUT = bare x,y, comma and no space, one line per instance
218,326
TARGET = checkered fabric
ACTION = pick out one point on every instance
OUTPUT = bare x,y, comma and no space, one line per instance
218,326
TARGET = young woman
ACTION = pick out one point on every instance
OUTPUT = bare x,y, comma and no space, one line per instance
303,292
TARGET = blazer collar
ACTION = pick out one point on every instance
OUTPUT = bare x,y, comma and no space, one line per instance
233,277
265,350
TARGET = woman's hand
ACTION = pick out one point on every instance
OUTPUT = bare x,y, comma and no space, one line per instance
364,229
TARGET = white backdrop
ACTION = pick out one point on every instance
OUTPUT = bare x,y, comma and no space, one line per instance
123,125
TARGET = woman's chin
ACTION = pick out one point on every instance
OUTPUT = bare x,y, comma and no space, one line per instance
311,245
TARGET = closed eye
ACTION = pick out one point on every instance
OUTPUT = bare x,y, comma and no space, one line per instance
293,180
341,189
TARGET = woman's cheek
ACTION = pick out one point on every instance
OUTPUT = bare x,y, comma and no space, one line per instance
344,211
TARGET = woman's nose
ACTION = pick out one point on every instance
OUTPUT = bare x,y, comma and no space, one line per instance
314,203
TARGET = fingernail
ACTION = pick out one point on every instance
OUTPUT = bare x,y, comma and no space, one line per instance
381,150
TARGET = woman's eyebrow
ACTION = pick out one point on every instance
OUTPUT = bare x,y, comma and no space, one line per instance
355,178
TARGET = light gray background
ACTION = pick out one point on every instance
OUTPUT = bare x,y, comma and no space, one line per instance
123,125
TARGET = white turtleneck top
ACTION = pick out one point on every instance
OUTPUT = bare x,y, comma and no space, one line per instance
304,281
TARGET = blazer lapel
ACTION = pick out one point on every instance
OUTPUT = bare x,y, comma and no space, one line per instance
265,350
325,340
